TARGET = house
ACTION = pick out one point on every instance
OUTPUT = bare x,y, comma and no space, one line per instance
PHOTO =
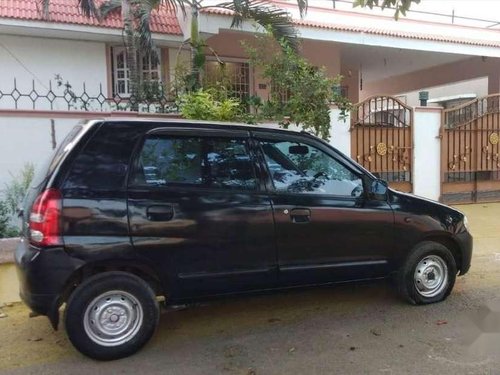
46,64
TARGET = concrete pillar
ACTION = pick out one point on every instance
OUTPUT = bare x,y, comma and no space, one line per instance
427,152
340,136
494,82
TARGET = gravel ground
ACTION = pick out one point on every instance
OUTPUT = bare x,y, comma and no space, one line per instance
347,329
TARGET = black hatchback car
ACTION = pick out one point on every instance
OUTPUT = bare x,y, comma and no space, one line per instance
127,211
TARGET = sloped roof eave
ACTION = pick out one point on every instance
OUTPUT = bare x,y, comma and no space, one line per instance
376,31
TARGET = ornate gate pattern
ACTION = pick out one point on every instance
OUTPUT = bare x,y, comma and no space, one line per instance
470,163
381,139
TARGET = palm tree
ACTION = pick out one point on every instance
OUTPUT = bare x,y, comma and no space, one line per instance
136,16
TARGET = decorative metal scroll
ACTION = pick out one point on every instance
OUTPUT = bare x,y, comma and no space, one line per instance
381,137
383,111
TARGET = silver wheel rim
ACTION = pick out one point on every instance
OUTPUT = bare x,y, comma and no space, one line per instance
431,276
113,318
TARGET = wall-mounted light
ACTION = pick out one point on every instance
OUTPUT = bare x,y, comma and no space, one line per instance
360,77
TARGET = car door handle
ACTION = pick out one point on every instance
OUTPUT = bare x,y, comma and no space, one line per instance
163,212
300,215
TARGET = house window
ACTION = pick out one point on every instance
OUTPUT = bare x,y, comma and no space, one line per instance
233,74
149,71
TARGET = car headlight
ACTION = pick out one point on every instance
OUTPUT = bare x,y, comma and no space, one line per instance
466,223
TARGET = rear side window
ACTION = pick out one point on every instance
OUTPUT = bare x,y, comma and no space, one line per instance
103,163
195,161
50,163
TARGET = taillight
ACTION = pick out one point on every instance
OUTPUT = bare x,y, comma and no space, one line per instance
44,221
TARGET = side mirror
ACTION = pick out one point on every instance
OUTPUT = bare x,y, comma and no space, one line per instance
378,190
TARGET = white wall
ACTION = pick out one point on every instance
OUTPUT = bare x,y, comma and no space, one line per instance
427,153
40,59
340,136
27,139
478,86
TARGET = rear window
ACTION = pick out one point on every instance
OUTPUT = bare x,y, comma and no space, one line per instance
47,167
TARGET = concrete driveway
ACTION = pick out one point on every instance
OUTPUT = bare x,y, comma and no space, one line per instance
348,329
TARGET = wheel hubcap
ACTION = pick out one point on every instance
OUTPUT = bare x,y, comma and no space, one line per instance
113,318
431,276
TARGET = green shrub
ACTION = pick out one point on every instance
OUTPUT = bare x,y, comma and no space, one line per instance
300,92
17,188
13,197
203,105
6,229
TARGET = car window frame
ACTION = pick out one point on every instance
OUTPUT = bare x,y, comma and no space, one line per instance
309,141
197,133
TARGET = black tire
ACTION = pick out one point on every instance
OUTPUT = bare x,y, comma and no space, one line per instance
138,297
407,282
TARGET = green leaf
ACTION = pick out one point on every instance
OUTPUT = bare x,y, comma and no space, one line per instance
45,5
142,14
277,21
399,6
89,8
108,7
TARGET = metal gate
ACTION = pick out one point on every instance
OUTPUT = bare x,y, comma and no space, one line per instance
381,139
470,164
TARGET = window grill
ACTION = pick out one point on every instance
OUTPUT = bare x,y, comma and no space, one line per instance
233,75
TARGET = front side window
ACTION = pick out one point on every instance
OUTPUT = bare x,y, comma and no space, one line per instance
195,161
300,168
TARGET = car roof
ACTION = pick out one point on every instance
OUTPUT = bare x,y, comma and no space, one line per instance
199,123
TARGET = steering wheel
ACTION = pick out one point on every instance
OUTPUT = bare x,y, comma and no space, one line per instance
320,174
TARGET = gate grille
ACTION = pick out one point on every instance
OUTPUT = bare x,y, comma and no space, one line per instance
470,151
381,139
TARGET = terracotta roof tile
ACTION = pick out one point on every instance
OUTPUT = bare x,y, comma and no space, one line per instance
398,34
163,21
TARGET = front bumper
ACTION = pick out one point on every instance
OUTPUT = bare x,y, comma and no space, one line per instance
465,242
43,275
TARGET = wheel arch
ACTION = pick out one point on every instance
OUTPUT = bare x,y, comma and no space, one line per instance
133,266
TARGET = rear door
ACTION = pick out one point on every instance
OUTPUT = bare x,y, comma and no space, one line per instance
197,209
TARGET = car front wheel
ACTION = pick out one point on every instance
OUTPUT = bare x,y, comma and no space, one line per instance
428,274
111,315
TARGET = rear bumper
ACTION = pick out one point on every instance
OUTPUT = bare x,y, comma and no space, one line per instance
43,274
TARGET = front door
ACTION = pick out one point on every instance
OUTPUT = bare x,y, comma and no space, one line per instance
326,228
196,210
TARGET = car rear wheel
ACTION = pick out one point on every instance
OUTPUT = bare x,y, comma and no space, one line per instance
111,315
428,274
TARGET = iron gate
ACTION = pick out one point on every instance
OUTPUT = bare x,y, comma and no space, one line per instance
381,139
470,164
